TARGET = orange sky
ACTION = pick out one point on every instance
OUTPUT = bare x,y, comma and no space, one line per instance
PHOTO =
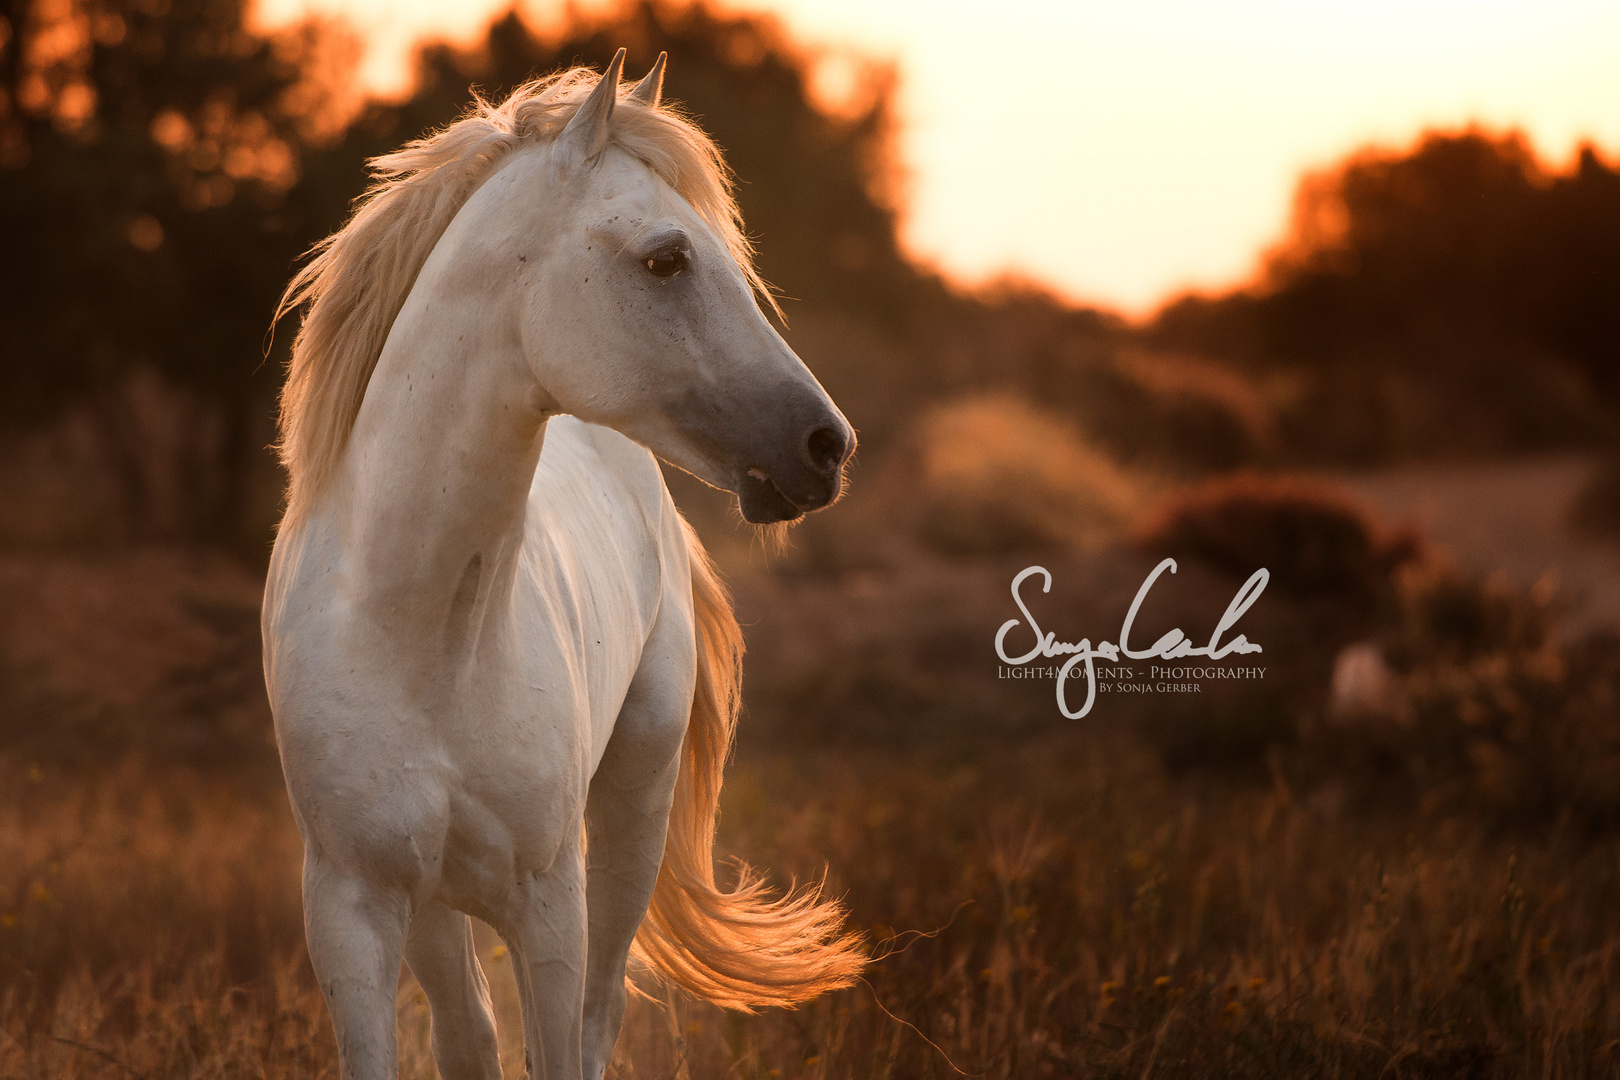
1121,152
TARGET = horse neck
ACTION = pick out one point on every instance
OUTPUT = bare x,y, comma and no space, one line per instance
443,453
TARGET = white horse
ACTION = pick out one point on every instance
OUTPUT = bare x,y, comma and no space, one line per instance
504,677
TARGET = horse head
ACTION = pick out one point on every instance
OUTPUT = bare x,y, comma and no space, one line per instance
642,316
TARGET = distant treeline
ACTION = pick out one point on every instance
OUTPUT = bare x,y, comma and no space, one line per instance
1457,295
162,168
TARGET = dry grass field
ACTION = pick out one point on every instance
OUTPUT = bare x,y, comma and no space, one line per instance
1055,909
1159,890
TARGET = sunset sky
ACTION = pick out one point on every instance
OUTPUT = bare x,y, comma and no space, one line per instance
1119,153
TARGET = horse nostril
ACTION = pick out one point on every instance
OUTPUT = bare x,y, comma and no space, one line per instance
827,448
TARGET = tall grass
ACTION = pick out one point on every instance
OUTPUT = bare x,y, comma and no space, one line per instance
1059,909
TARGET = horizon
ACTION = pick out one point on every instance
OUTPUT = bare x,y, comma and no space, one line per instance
1102,206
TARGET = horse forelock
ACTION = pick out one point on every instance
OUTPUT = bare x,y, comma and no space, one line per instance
357,279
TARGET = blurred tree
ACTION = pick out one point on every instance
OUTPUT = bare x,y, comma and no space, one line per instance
1460,276
152,202
817,186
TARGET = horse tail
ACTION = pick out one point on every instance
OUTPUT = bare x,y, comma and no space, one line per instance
745,948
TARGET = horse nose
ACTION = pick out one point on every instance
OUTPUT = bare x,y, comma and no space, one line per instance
829,447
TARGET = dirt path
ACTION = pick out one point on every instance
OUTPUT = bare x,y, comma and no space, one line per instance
1509,517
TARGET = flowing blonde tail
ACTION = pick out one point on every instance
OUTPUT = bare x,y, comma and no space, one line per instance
742,949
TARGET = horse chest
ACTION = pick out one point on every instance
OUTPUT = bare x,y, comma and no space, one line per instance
521,758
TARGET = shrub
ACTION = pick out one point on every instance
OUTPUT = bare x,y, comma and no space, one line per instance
1330,584
999,474
1489,713
1314,540
1177,412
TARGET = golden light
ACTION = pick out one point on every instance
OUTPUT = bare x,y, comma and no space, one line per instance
1120,152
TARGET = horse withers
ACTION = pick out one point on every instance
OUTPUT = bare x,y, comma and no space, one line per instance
503,673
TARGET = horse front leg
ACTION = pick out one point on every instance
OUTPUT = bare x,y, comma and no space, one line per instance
441,954
626,817
545,931
356,933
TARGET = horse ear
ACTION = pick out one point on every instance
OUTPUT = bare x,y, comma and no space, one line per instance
650,90
587,132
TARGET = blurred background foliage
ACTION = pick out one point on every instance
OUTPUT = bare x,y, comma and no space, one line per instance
1454,297
162,167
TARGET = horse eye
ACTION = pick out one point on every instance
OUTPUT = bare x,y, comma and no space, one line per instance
668,263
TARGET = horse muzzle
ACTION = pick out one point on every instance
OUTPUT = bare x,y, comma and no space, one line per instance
806,478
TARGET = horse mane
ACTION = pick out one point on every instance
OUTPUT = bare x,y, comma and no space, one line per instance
357,279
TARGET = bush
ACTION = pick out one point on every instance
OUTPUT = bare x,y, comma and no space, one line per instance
1176,412
1488,714
1331,572
1312,539
999,474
